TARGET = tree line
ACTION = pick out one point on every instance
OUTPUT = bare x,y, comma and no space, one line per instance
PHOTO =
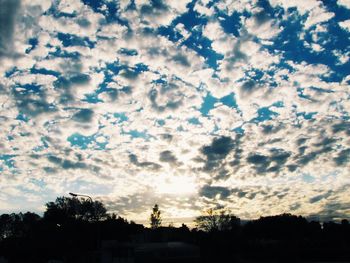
72,229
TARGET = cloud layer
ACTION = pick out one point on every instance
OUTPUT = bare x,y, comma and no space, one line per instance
242,104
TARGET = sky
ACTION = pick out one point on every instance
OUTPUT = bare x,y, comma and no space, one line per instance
235,104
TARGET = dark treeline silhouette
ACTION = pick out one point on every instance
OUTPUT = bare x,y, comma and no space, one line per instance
80,230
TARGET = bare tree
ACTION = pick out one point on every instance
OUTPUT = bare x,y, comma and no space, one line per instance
217,220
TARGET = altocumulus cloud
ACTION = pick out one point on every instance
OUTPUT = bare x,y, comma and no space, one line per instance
237,104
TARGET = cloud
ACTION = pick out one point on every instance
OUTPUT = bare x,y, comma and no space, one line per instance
314,9
149,165
83,115
261,24
8,17
317,198
227,103
217,151
344,3
213,191
318,15
345,24
343,158
167,156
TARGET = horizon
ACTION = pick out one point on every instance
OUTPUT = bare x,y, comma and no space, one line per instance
190,221
242,105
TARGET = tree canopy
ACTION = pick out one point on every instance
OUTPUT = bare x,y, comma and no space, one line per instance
155,218
217,220
65,208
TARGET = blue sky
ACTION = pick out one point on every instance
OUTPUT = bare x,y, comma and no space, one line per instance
192,105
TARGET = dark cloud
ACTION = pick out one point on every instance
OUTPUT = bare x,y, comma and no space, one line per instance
343,126
50,170
219,148
211,191
306,158
83,22
279,156
65,85
182,60
270,141
301,141
295,206
343,157
248,87
129,73
173,101
74,40
222,173
325,142
83,115
241,194
150,165
260,162
154,8
54,159
68,164
269,194
168,157
302,149
325,145
318,198
292,167
156,51
280,195
215,156
217,151
167,137
333,211
8,12
112,93
80,79
258,159
270,128
274,162
31,99
251,196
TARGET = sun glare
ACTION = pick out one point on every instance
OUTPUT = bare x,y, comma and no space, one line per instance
179,185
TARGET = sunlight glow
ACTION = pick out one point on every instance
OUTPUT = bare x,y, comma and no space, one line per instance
179,185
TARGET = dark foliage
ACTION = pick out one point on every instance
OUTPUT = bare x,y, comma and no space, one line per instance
65,208
73,230
155,217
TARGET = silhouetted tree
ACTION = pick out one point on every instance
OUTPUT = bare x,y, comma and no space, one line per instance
17,225
215,220
184,227
5,226
155,218
65,208
285,226
345,222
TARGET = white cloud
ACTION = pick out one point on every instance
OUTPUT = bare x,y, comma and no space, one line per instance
345,3
315,10
148,111
345,24
317,15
